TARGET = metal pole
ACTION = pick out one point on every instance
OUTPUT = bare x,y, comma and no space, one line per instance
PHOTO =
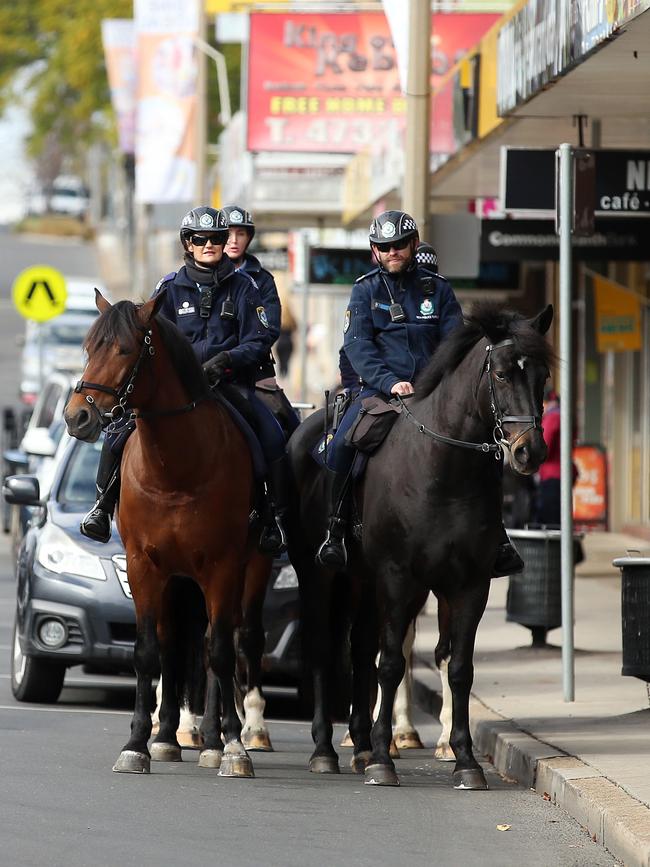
201,110
222,78
304,324
565,206
415,198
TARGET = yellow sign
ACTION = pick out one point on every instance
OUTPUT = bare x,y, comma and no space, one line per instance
215,7
618,317
40,293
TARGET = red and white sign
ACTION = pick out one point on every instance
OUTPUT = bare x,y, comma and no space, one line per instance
330,82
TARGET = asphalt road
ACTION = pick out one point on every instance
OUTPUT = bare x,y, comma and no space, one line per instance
60,804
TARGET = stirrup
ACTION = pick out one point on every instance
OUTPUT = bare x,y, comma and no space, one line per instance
96,524
273,540
332,552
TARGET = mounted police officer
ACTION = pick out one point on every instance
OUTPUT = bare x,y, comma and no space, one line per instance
241,231
397,315
221,312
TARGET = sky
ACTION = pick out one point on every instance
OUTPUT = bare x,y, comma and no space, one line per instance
16,175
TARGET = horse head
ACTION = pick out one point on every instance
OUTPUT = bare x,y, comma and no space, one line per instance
117,346
516,366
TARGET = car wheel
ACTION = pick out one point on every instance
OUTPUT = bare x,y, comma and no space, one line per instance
34,679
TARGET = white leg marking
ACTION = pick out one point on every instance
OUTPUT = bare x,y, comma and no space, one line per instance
443,750
254,705
402,706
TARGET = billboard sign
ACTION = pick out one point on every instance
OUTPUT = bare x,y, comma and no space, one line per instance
590,506
330,82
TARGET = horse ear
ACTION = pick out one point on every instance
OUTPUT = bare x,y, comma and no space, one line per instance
151,307
542,322
101,303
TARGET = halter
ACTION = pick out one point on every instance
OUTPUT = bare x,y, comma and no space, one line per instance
533,421
110,420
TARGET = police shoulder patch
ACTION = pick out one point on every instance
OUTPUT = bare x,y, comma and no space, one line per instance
261,315
164,279
346,321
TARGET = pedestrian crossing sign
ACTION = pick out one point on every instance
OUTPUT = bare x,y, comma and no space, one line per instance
40,293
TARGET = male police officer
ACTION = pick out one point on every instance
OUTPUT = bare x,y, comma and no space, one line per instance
397,315
222,314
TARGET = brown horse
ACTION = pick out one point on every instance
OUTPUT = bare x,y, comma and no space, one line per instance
187,493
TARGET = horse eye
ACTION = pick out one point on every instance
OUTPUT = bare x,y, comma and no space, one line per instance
500,376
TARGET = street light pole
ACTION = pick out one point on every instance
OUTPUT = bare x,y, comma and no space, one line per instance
415,198
201,107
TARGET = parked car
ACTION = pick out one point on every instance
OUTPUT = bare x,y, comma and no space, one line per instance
69,196
74,604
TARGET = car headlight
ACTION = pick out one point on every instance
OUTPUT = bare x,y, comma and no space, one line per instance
57,552
287,579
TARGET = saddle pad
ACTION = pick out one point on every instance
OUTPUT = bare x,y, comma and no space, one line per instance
259,462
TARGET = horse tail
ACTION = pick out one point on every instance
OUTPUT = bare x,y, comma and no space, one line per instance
190,626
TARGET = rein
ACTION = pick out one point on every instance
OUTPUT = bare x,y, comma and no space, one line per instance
110,419
533,421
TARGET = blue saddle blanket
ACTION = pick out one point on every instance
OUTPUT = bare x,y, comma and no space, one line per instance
259,461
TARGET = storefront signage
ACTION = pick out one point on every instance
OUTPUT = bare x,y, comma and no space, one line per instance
617,316
546,37
590,488
622,181
515,240
330,83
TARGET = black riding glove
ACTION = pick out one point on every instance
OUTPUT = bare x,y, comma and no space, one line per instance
218,368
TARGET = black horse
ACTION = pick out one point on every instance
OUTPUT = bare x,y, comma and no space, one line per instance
430,504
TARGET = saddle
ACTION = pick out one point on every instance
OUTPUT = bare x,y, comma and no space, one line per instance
240,413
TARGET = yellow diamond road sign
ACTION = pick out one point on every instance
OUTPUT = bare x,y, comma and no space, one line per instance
40,293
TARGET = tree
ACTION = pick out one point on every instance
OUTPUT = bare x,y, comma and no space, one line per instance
61,58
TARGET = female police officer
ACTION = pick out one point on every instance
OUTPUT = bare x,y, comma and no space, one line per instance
397,315
221,312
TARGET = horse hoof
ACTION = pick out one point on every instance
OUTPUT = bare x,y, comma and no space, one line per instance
347,740
257,741
393,752
236,766
131,762
444,753
192,740
360,761
380,775
161,752
408,741
470,778
210,759
324,765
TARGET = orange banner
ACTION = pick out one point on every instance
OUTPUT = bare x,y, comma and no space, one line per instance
618,317
590,488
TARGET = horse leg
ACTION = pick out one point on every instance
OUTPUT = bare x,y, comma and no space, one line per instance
316,600
255,734
466,612
444,752
165,747
212,749
221,654
381,771
135,757
363,640
404,732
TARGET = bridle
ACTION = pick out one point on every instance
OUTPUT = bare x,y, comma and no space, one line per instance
110,420
534,422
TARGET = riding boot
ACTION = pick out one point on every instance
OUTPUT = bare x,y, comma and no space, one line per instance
332,553
273,538
97,523
508,561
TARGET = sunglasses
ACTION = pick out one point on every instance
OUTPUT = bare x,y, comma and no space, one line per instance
202,240
394,245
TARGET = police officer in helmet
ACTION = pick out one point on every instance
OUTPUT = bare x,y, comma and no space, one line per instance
222,314
397,315
241,231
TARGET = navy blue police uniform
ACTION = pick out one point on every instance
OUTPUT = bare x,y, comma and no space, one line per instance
245,334
382,351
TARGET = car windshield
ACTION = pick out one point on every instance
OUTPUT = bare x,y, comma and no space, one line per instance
77,488
68,333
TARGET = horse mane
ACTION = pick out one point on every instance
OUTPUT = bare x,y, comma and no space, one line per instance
119,324
487,319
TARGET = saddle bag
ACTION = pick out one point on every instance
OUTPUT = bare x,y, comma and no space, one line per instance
372,425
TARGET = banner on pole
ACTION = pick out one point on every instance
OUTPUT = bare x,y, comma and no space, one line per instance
118,38
165,142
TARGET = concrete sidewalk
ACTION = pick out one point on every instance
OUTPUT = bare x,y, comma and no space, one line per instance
591,756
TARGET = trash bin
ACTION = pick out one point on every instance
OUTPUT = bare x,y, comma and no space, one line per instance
635,615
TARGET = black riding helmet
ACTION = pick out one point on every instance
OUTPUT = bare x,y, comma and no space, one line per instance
392,226
239,218
204,219
426,255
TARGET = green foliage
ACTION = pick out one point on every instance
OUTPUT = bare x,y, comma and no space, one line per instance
58,49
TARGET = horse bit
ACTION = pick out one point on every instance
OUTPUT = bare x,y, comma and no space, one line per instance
533,421
111,419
